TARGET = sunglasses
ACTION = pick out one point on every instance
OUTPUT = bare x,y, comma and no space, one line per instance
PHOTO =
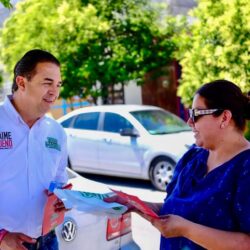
195,114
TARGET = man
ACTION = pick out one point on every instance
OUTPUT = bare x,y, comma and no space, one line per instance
32,152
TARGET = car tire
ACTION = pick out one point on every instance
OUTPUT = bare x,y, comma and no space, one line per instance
161,172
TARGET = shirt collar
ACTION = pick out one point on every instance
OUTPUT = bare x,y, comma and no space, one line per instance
12,112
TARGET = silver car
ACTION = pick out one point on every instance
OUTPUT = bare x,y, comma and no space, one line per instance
133,141
85,231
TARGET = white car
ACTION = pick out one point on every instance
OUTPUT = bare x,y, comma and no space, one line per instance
135,141
85,231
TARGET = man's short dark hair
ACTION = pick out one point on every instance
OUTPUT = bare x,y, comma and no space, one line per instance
27,64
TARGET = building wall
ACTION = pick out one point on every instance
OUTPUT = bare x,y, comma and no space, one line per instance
133,93
160,88
63,106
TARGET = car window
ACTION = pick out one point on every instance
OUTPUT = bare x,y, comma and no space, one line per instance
87,121
67,122
114,123
160,122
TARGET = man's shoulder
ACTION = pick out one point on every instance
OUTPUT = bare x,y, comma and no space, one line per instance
4,114
1,106
49,118
52,123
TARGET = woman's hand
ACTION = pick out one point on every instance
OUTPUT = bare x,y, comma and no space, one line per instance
122,201
168,225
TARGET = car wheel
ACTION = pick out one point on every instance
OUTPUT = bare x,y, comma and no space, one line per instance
161,172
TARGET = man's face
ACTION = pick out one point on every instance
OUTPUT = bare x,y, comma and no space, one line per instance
41,91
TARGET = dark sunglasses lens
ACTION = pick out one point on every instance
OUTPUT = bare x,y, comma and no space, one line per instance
196,118
192,116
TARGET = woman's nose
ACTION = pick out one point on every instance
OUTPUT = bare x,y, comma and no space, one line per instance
190,122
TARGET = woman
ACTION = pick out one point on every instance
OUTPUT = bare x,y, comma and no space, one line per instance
208,201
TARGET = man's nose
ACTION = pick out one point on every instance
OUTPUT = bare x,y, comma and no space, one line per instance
54,88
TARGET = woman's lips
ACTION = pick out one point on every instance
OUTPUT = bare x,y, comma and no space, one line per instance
195,133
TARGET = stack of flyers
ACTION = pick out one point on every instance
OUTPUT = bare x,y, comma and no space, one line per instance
89,202
136,202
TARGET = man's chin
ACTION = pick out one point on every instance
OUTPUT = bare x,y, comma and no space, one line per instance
45,109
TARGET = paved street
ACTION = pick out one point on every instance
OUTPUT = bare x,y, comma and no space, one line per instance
146,236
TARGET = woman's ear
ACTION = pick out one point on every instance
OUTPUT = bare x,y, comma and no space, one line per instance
226,118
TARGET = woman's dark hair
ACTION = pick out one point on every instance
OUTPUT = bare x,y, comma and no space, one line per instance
27,64
224,94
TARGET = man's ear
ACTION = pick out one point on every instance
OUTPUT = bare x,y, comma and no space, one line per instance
20,81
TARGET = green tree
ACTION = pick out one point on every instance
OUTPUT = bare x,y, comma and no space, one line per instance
99,42
62,27
217,45
6,3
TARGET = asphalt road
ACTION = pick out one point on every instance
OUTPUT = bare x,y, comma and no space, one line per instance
144,234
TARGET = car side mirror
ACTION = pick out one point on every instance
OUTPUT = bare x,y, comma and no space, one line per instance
129,132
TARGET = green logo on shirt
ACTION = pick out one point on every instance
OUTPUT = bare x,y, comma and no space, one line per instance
52,143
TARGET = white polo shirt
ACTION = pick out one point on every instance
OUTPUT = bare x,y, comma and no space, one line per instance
30,158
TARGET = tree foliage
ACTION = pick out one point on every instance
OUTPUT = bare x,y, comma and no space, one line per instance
217,46
6,3
99,42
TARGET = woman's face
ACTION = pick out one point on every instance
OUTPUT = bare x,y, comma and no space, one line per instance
206,128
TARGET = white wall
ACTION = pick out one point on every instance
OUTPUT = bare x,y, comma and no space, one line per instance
132,93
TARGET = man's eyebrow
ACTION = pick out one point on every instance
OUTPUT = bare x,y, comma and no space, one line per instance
51,80
48,79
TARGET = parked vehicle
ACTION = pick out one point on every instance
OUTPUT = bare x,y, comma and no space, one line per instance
85,231
133,141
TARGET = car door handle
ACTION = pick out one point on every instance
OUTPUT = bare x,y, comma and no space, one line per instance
108,141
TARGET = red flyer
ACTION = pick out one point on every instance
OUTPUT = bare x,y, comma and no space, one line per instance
136,202
51,219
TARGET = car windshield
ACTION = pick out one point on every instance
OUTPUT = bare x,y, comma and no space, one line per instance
160,122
